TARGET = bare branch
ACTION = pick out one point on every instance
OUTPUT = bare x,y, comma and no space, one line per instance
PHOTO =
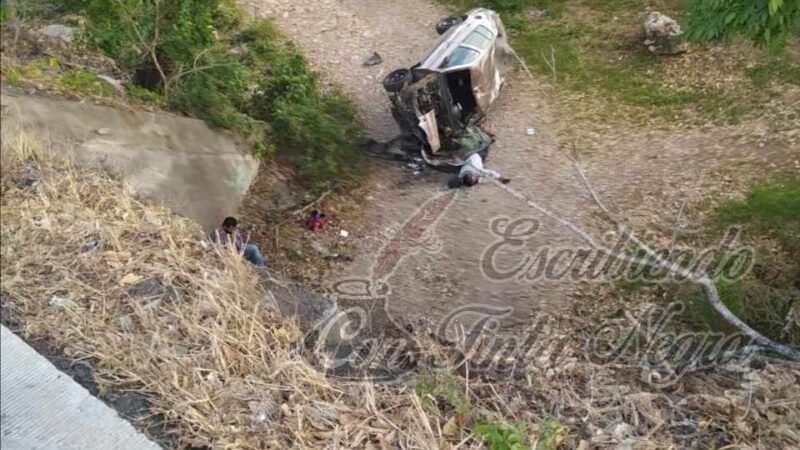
653,259
656,260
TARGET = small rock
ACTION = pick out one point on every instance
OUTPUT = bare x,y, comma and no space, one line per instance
319,248
103,131
661,34
451,428
622,430
61,302
90,245
530,131
344,233
152,219
373,60
125,323
264,411
62,32
130,278
30,176
115,83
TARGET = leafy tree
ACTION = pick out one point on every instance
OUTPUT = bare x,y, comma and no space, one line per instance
764,21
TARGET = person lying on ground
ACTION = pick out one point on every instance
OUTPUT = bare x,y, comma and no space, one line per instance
228,234
471,173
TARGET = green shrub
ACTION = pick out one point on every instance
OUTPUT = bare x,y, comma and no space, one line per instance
500,436
771,207
318,133
203,64
144,95
764,21
776,68
85,82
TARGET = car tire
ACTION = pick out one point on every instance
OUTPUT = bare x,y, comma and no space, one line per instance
396,80
446,23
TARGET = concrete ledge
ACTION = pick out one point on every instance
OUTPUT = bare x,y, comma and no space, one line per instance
42,408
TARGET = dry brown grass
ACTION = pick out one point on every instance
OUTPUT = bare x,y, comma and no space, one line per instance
152,309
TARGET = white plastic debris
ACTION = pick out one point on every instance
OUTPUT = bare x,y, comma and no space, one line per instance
344,233
530,131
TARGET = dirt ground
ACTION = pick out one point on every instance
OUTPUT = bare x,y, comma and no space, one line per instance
645,175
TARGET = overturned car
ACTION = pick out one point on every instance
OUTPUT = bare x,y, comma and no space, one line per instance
439,101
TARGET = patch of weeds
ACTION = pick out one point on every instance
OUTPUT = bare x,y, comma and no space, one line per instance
771,207
699,313
769,217
33,70
501,436
144,95
85,82
553,434
443,391
14,76
775,69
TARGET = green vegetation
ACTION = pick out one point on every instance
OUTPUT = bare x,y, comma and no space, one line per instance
768,215
84,81
777,68
447,390
763,21
500,436
199,58
772,207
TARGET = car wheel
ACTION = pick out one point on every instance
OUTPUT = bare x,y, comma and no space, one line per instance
396,80
445,24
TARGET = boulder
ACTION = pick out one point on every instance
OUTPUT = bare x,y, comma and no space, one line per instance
662,34
62,32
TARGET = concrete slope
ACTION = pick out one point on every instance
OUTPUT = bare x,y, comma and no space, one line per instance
196,171
44,409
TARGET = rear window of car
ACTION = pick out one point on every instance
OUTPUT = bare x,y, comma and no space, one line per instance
480,38
459,57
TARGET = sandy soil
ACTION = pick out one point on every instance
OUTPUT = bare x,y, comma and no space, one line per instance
645,174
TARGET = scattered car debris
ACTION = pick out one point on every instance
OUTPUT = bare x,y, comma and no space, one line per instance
373,60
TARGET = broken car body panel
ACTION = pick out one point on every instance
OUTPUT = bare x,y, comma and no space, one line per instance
454,85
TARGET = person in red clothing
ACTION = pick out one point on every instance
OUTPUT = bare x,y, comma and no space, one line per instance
316,220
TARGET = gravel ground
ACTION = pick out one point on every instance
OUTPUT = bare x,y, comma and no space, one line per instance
647,174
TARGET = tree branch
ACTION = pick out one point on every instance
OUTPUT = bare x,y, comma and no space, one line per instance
699,277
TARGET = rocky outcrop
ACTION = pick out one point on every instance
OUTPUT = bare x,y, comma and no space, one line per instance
662,34
196,171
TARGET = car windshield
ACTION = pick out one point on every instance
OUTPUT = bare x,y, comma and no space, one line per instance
480,38
459,57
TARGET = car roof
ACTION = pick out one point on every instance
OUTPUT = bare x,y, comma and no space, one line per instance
454,37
